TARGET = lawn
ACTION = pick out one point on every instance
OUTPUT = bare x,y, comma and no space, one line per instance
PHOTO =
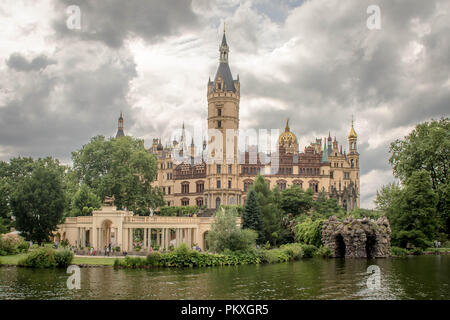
14,259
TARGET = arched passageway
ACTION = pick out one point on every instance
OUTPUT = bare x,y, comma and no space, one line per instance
106,233
371,246
340,246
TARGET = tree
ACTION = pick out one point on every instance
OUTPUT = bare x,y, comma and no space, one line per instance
38,202
412,212
385,196
122,168
272,227
427,148
84,202
252,214
296,201
226,235
325,207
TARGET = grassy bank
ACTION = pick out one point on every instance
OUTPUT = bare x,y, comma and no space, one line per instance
15,259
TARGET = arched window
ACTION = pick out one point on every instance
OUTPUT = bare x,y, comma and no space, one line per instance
217,202
199,202
185,201
199,186
185,187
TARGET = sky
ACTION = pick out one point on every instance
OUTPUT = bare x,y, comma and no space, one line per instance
314,62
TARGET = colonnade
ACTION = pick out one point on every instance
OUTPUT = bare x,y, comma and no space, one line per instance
161,237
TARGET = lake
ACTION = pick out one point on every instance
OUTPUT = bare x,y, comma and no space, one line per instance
415,277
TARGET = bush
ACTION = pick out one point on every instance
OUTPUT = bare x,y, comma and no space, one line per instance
153,259
23,247
309,250
63,258
293,250
9,244
39,258
398,252
309,232
416,251
47,258
324,252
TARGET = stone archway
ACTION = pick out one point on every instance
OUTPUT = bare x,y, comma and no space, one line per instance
357,238
106,233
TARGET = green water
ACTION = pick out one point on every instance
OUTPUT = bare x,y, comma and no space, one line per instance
421,277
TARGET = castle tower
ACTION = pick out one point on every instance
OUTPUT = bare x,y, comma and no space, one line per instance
223,114
120,132
353,158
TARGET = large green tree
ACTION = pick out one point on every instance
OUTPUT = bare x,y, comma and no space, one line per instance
122,168
412,212
296,201
252,214
84,202
37,202
427,148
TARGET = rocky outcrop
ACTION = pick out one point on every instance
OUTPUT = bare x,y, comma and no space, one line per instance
357,238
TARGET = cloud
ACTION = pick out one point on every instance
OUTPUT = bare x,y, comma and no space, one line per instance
114,21
18,62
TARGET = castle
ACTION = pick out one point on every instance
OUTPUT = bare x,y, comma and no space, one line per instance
322,166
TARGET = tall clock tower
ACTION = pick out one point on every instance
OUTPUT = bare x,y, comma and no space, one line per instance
223,113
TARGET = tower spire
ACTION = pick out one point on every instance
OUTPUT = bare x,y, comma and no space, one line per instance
120,132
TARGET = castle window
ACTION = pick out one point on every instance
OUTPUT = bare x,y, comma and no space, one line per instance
218,184
199,202
352,164
219,169
331,174
200,186
229,184
219,124
346,175
230,167
168,190
185,202
185,187
217,202
219,112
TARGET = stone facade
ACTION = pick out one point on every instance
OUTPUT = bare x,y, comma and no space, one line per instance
357,238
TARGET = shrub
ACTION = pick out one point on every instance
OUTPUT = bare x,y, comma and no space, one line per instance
324,252
293,250
398,252
63,258
309,250
416,251
154,259
23,247
39,258
9,244
309,232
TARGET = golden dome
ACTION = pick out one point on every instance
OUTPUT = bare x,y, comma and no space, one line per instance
287,137
352,134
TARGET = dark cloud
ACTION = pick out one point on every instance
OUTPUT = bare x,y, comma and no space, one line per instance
18,62
113,21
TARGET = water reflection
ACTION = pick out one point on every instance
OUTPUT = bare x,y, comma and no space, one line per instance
424,277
